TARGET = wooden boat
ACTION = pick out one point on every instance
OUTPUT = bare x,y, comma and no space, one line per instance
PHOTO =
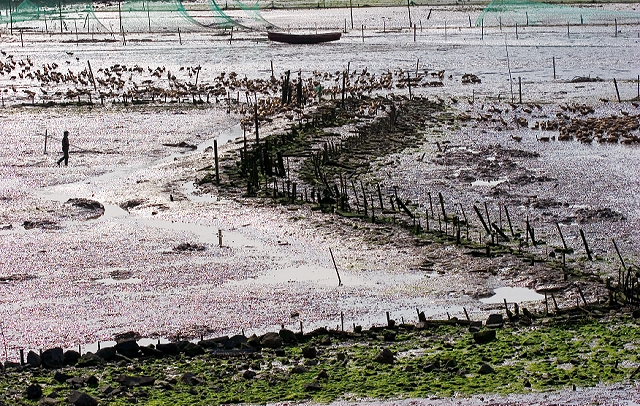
303,38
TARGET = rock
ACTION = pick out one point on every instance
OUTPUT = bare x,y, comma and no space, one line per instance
34,392
12,365
191,379
385,357
190,349
150,351
288,336
486,369
92,380
89,360
107,354
495,320
484,336
131,381
33,359
253,341
218,342
128,348
321,331
61,376
249,374
168,348
70,357
235,341
309,352
53,358
47,401
322,375
271,340
76,381
77,398
299,369
313,387
636,314
389,336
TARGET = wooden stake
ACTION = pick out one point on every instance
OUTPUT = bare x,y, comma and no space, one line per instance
215,156
624,267
564,244
351,11
586,246
553,59
615,83
336,267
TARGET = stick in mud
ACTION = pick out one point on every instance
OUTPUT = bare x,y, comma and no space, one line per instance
409,10
215,155
564,244
615,83
466,314
586,246
46,136
484,224
220,238
624,266
444,213
351,12
553,60
337,273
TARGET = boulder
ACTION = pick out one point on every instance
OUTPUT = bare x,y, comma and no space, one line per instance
271,340
71,357
168,348
190,349
131,381
249,374
34,392
288,336
299,369
107,354
149,351
486,369
309,352
385,357
191,379
33,359
218,342
61,376
235,341
53,358
484,336
77,398
495,320
89,360
128,348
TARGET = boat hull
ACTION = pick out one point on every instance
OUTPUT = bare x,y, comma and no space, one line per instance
303,38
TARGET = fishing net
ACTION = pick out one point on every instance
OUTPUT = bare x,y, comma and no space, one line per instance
527,12
129,16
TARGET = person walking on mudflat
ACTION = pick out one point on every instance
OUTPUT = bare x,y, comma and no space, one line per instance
65,149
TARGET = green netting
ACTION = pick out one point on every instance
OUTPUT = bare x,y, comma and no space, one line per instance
528,12
129,16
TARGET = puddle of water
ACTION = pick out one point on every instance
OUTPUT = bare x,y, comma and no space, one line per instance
142,342
113,281
513,295
488,183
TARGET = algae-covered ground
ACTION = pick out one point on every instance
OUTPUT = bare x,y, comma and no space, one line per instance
404,361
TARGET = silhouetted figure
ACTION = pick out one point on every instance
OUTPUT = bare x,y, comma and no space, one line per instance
65,149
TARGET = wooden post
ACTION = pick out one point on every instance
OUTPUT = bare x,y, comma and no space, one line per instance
482,29
60,13
409,85
415,28
180,36
220,238
516,30
615,83
469,21
466,314
22,41
45,140
362,32
351,11
148,17
506,212
95,87
336,267
568,33
553,59
564,244
255,118
341,321
409,9
215,156
624,266
22,356
444,213
272,75
615,21
520,89
586,246
119,18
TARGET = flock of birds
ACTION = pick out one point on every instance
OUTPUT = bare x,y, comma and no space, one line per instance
24,82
